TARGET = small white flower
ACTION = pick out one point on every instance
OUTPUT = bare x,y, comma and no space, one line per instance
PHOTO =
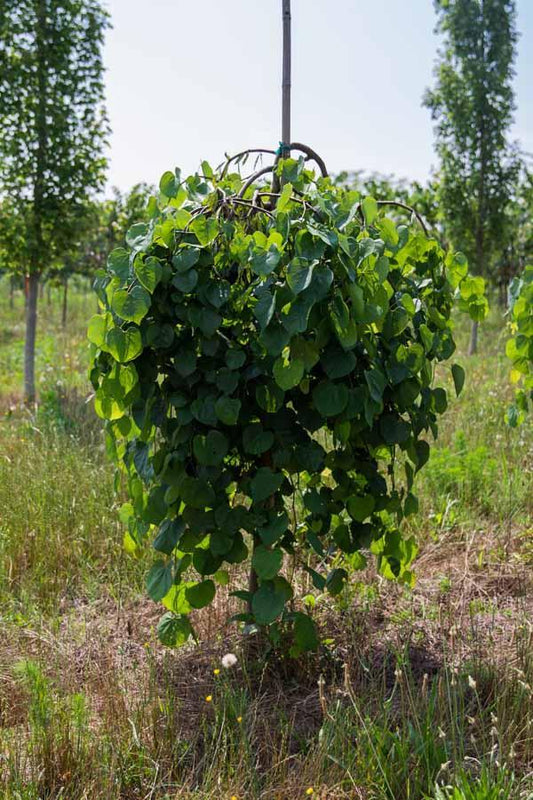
229,660
471,682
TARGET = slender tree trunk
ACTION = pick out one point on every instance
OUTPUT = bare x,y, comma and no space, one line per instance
480,243
32,280
480,228
503,288
64,309
12,292
253,582
480,259
29,343
472,347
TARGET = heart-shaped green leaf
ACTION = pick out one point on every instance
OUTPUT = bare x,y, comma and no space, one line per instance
330,398
267,604
266,563
124,345
148,272
265,483
210,450
131,304
227,410
288,373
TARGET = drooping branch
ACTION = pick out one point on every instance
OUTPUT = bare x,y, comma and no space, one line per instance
309,152
253,178
406,207
300,200
243,153
312,154
252,206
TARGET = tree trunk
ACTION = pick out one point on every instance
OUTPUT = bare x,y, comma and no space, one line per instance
472,347
12,292
253,583
37,249
64,309
29,344
480,227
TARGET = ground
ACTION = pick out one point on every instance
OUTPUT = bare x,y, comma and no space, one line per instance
413,690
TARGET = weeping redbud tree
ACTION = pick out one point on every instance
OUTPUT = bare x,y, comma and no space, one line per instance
264,361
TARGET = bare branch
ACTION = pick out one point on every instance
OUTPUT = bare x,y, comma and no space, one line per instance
243,153
248,204
253,178
300,200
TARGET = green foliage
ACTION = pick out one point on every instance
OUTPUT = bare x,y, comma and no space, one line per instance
280,353
462,472
52,122
520,347
498,783
472,105
422,197
53,132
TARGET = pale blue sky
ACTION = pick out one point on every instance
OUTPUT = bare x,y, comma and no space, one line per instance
192,79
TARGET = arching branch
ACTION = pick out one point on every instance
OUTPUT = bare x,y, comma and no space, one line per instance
250,205
300,200
406,207
243,153
312,154
253,178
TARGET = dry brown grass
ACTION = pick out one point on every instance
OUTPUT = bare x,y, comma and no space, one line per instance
462,617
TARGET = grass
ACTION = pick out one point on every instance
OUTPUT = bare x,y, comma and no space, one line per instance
422,694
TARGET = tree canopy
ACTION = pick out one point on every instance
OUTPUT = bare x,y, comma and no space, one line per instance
53,130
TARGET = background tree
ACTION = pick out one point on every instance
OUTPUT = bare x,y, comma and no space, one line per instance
422,197
53,130
116,216
472,105
12,246
103,228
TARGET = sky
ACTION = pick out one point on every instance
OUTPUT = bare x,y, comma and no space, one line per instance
189,80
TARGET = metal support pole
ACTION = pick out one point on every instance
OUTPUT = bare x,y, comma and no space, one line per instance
286,80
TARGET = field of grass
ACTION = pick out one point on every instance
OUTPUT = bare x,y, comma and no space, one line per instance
422,694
